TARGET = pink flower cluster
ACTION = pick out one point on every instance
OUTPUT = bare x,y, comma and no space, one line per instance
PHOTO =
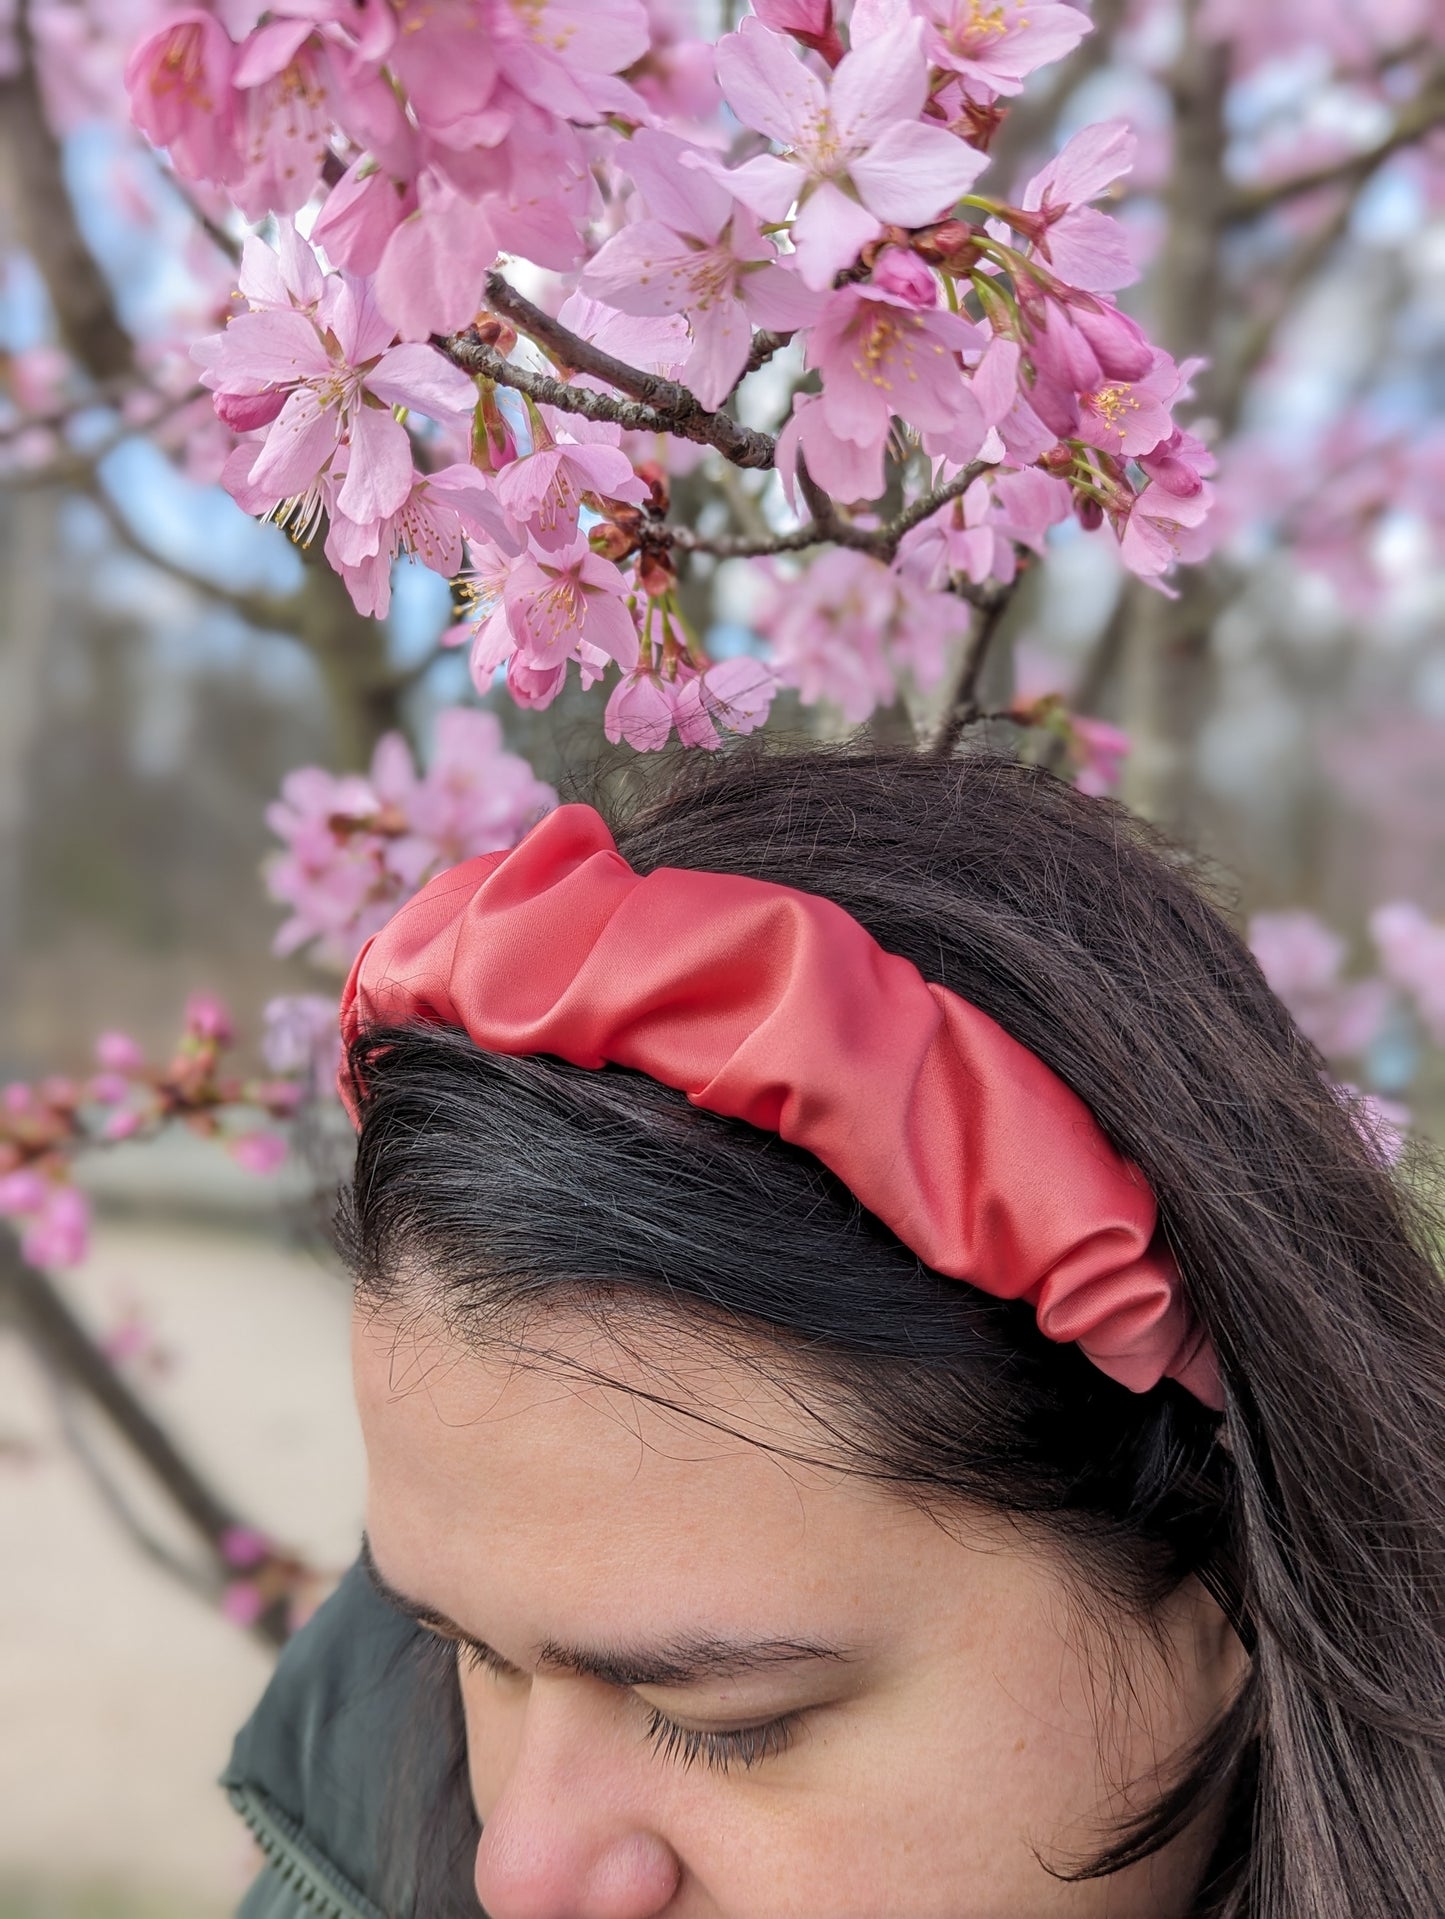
851,631
946,328
45,1127
356,848
1412,957
1304,962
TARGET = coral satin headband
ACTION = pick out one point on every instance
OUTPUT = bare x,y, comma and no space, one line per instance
774,1006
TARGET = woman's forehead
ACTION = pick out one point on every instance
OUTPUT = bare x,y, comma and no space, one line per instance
519,1487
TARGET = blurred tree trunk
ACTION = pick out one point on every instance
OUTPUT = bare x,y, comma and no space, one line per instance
27,557
1166,655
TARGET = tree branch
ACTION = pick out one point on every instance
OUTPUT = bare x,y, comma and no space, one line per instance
672,408
548,390
72,1357
82,303
264,610
1415,119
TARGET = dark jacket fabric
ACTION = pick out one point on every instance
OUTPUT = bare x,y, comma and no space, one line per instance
316,1772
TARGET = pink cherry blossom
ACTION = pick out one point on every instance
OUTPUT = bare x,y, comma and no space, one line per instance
1084,247
244,1546
1130,418
58,1234
1303,962
846,469
902,274
260,1153
242,1603
442,509
118,1053
995,47
700,255
21,1193
552,605
181,96
1179,463
543,491
300,1035
966,539
1162,528
338,377
208,1017
356,848
1077,347
1100,751
856,155
809,22
881,355
732,696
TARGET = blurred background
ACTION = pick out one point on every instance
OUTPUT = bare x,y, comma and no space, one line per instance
165,662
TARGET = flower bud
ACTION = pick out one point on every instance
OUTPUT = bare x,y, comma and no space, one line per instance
659,487
952,244
656,572
494,332
611,541
905,276
808,21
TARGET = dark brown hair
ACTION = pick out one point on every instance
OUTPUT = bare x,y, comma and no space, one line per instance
1313,1510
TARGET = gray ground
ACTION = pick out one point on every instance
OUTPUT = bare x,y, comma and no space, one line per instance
119,1690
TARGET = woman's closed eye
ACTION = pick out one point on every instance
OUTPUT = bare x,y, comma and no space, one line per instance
680,1745
744,1746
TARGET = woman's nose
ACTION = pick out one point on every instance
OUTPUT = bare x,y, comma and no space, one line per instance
543,1863
569,1835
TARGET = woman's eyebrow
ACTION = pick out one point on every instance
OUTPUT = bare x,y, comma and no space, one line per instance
688,1660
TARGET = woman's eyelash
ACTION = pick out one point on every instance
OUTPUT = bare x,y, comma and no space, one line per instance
718,1751
680,1745
477,1658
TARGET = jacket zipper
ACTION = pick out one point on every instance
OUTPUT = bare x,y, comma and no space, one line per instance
299,1866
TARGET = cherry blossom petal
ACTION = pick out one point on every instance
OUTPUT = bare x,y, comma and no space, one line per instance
640,711
261,350
879,84
913,173
644,269
721,336
609,626
432,271
1094,159
830,233
380,473
766,84
418,376
296,448
775,296
681,196
766,185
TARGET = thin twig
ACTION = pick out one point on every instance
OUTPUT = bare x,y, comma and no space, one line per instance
116,1502
75,466
828,527
1415,119
963,708
264,610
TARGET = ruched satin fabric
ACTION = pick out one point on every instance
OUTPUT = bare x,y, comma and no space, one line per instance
774,1006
